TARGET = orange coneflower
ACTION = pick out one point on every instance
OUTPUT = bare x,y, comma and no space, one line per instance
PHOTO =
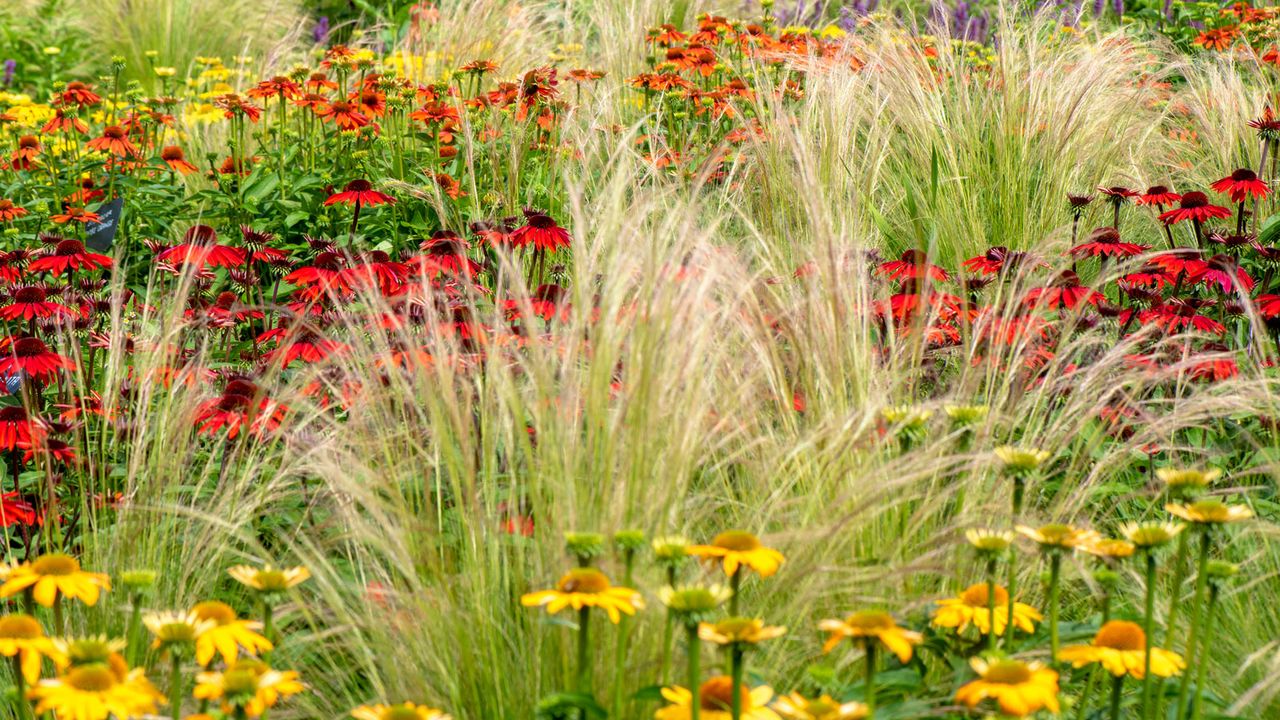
75,214
115,141
62,122
173,156
276,86
320,81
10,212
77,93
28,150
372,102
345,115
1217,40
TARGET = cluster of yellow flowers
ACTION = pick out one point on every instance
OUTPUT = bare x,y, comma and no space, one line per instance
94,679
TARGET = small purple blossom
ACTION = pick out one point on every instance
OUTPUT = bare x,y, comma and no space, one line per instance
10,67
321,31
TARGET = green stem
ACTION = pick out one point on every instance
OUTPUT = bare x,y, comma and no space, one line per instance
24,705
584,651
1202,562
1055,572
870,692
668,633
268,626
59,621
131,633
175,684
1147,622
1013,588
1087,695
624,635
991,603
736,665
1179,576
735,582
1202,663
695,673
1117,685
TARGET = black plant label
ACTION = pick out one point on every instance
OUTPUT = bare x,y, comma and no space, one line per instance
100,235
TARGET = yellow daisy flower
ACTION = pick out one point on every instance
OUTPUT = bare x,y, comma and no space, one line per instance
586,587
797,707
1019,688
1187,478
249,685
172,628
1120,647
1058,536
1019,460
738,549
749,631
403,711
1151,534
52,575
22,637
970,608
268,579
871,624
227,635
714,699
1110,548
1210,512
96,692
985,540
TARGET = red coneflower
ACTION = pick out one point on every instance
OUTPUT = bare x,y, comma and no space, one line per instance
479,67
323,271
540,231
1117,196
173,156
1106,242
14,510
1181,313
305,346
68,255
31,356
345,115
1065,290
547,302
10,212
276,86
234,106
436,114
372,102
16,427
200,247
1158,195
444,252
77,93
1241,185
241,406
32,302
1268,126
73,214
1194,206
1226,273
62,122
376,269
912,265
114,140
358,193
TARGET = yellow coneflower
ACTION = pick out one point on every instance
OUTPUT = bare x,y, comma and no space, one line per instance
748,631
247,685
1019,460
965,414
228,635
268,579
1019,688
97,691
53,575
1120,647
797,707
1056,536
971,608
989,542
715,697
737,549
586,588
871,625
175,629
1210,512
403,711
90,650
1150,535
21,636
1187,480
1110,548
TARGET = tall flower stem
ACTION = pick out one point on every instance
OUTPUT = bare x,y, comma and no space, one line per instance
1117,686
991,603
1013,588
1202,563
24,707
1203,663
59,620
584,651
668,635
736,666
624,635
735,582
1179,576
870,645
175,683
1087,696
694,677
1147,622
1055,572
